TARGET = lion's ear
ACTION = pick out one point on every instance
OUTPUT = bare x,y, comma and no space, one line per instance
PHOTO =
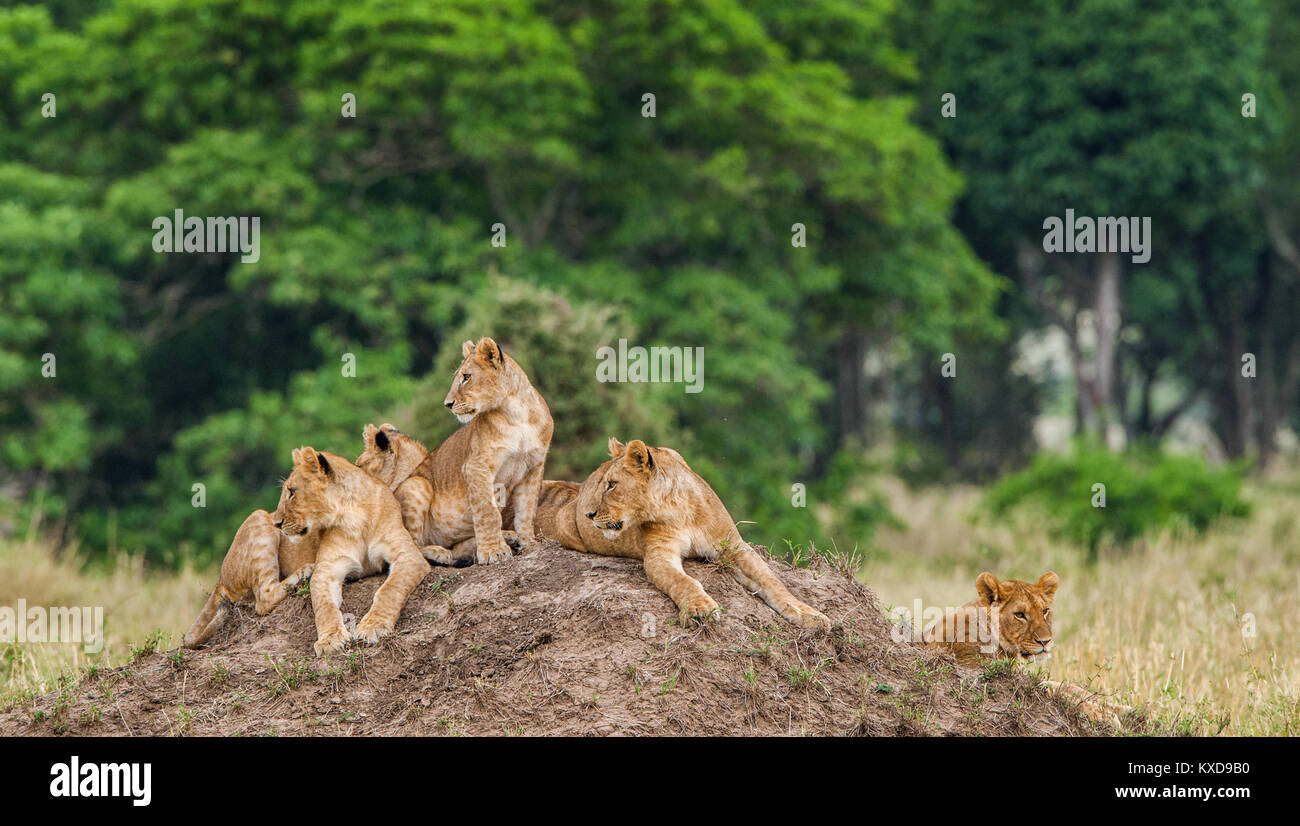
616,448
988,588
1047,583
638,457
381,440
490,351
466,349
368,433
313,460
297,456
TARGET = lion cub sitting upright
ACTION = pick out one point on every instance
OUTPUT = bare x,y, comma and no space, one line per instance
361,531
452,496
646,503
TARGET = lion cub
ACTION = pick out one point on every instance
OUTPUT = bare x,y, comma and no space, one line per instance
264,562
646,503
496,460
1010,619
361,531
257,560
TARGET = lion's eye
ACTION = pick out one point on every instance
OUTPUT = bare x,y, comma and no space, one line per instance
611,485
290,493
464,377
1020,615
1046,611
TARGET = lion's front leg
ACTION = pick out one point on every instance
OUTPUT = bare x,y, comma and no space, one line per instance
752,572
663,565
326,599
406,567
486,512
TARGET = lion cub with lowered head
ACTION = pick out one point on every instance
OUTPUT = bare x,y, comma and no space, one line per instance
264,562
1011,619
452,495
646,503
361,531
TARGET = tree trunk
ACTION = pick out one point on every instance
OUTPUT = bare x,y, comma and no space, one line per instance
851,386
1106,323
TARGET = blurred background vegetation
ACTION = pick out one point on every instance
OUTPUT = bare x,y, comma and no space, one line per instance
822,363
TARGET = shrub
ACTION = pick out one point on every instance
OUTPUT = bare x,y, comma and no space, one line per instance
1145,492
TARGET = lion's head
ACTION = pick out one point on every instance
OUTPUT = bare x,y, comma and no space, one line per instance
389,454
307,496
624,490
1022,612
481,382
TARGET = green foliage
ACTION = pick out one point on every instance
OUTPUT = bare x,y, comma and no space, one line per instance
1145,493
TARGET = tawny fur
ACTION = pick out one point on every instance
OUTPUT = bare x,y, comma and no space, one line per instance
646,503
261,561
361,532
1010,619
494,461
264,562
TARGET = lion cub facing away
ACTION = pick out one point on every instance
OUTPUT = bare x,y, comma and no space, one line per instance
1011,619
258,557
496,460
646,503
361,531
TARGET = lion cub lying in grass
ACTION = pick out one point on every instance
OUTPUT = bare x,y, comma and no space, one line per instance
646,503
1012,620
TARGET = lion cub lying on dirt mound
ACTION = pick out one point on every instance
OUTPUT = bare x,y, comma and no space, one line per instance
360,528
452,495
646,503
1013,620
262,561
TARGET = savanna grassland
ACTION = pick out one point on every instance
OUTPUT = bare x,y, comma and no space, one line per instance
1164,625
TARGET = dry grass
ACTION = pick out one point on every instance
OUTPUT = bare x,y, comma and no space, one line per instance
1164,626
138,604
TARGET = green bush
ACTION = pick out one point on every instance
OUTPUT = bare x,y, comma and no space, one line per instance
1145,493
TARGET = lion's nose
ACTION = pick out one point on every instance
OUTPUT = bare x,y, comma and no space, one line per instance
591,515
448,405
280,524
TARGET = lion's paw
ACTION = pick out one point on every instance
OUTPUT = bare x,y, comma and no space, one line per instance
809,619
331,641
371,630
698,609
492,554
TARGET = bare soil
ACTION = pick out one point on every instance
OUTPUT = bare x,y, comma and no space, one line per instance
557,642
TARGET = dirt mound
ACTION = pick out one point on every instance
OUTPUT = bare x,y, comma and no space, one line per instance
558,642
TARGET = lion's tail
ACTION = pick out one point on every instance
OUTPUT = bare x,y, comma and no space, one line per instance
214,611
